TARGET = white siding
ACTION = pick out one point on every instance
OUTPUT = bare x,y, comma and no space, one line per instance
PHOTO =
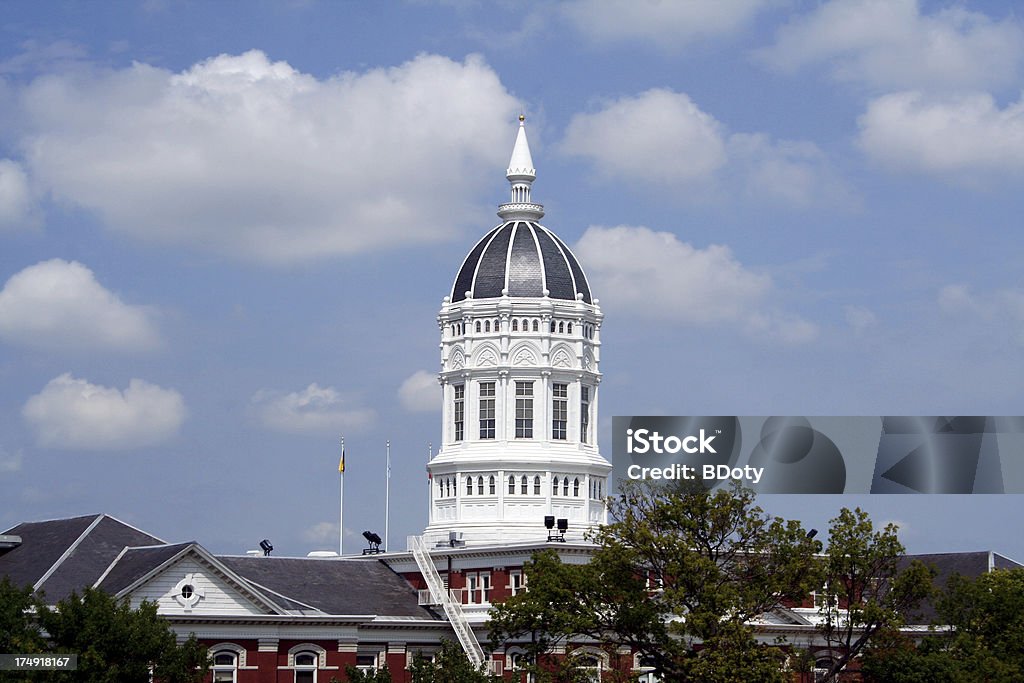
219,597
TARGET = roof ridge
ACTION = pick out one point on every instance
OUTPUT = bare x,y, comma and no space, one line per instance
69,551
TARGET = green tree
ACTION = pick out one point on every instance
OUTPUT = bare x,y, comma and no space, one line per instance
450,665
868,589
118,644
354,675
19,631
979,636
679,570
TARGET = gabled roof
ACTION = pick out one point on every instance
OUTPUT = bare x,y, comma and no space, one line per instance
967,564
333,586
60,556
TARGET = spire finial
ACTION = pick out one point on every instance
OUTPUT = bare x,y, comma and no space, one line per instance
521,175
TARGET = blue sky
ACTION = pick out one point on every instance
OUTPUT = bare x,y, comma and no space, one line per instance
226,229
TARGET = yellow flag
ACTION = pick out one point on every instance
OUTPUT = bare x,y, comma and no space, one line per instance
341,463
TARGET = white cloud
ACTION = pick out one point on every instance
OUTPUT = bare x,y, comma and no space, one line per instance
1000,311
654,275
891,44
10,462
17,207
71,413
314,410
256,160
420,393
667,24
956,134
662,139
59,304
792,172
659,136
322,532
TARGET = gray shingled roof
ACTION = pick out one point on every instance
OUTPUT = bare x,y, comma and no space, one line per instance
333,586
94,541
136,563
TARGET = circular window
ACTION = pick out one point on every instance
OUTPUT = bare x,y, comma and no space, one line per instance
187,591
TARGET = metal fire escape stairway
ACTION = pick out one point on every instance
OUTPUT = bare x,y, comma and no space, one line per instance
441,596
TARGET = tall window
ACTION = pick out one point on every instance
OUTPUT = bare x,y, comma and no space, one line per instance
460,411
490,485
524,410
515,581
480,486
522,485
536,485
576,487
584,414
486,410
559,410
305,667
511,484
225,667
478,587
469,486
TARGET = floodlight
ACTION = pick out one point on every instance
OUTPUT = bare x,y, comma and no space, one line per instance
549,521
266,547
563,525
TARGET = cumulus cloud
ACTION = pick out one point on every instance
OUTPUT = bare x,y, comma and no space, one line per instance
17,207
58,304
661,138
254,159
669,25
72,413
892,44
1002,309
314,410
420,393
954,134
655,275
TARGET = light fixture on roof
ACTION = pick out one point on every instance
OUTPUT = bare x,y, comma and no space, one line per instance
266,547
374,540
563,526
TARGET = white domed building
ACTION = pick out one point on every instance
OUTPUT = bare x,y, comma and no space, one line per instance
520,355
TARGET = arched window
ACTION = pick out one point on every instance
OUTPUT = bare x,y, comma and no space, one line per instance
511,484
568,328
536,326
305,667
477,325
487,326
554,486
515,325
469,486
565,486
522,485
480,485
561,328
552,325
490,485
440,487
536,486
576,487
225,667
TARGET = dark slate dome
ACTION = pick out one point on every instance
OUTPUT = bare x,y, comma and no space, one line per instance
524,258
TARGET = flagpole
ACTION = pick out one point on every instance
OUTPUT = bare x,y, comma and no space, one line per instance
430,484
341,501
387,496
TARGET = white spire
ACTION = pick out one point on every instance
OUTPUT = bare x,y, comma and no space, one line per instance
520,166
521,174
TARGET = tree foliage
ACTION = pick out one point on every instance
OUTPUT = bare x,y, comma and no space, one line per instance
867,590
680,570
354,675
450,665
114,643
979,636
